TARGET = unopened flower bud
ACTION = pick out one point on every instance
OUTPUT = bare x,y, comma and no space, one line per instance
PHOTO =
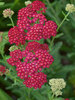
8,13
12,48
27,2
70,8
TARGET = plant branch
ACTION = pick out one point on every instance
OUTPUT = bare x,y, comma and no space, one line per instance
11,21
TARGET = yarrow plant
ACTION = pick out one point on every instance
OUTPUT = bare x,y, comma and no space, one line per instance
29,62
28,56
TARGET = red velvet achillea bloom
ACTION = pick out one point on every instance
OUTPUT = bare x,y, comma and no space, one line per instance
28,16
27,70
38,5
15,36
31,9
34,46
39,31
26,23
28,12
39,18
35,32
35,24
30,61
15,56
49,29
36,80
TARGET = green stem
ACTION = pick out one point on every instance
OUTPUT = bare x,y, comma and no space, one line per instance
11,21
13,78
51,44
51,97
63,21
53,11
29,92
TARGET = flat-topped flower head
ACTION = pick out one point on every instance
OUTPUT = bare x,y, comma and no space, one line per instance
15,36
36,80
36,46
31,9
30,62
32,21
38,5
57,85
8,13
70,8
49,29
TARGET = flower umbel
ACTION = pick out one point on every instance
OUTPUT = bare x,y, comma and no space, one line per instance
15,36
30,62
8,13
70,8
57,85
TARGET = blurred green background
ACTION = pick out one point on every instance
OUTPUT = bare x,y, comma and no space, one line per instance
63,52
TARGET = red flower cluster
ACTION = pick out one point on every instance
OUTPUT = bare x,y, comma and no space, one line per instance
2,69
28,16
67,99
36,46
49,29
32,24
32,9
36,80
15,36
30,62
